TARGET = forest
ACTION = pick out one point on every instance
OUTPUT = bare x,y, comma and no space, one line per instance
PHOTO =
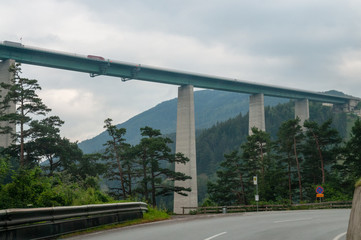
290,167
215,144
40,168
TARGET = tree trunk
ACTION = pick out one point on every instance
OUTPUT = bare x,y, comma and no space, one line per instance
289,179
120,169
130,181
51,166
262,163
121,178
298,168
153,189
242,187
145,180
321,157
22,161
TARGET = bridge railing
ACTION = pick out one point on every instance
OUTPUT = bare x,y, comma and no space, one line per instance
269,207
39,223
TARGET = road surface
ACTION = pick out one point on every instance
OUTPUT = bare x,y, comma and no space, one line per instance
307,224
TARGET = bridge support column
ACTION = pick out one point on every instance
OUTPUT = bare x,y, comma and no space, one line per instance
256,112
302,110
5,77
186,144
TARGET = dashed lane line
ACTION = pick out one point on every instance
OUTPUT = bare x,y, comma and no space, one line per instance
214,236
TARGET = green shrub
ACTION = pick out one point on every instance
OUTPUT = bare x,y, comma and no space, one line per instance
208,203
30,188
193,212
155,214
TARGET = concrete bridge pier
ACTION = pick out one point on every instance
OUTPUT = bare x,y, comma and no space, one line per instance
256,112
350,106
5,77
186,144
302,110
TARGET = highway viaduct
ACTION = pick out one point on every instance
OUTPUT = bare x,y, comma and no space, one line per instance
11,52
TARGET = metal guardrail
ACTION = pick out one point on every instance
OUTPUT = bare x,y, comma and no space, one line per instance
42,223
275,207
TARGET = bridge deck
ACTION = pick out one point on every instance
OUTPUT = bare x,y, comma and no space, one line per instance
95,65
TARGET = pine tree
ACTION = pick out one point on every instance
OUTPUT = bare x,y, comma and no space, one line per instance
352,164
22,92
323,140
229,188
257,156
289,136
44,142
155,161
114,152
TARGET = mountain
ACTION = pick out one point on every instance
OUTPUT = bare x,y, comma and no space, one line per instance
210,106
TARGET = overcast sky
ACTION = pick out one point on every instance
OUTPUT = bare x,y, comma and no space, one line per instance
306,44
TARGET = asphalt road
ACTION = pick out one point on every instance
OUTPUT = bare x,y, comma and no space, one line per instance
308,224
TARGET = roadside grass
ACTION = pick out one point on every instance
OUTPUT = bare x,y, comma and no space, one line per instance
153,215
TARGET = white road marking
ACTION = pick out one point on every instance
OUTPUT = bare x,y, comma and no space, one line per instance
338,237
214,236
293,220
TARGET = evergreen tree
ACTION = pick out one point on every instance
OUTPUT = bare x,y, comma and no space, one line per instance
89,165
257,157
44,143
229,188
130,170
284,149
322,140
289,138
68,154
114,152
352,163
155,161
22,93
